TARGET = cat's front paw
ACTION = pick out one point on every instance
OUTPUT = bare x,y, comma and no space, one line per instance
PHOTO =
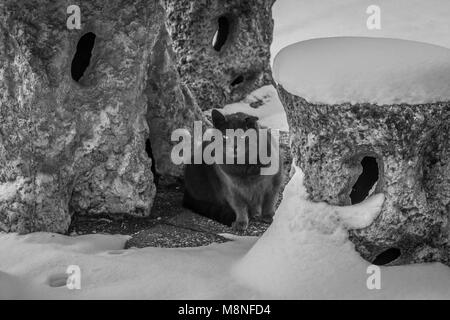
240,225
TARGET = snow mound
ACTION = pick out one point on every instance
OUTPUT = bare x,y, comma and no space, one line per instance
365,70
306,254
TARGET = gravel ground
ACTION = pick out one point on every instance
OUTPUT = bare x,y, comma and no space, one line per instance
169,226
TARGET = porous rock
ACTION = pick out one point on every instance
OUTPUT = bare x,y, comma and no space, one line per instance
410,144
77,145
222,47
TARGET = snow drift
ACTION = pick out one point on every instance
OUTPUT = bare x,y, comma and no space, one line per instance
364,70
304,254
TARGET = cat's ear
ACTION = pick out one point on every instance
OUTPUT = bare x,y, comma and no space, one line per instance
217,118
251,122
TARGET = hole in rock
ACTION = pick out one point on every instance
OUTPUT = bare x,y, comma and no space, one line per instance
237,81
82,56
148,149
222,33
387,256
366,181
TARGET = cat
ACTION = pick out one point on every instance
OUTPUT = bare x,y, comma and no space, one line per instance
232,193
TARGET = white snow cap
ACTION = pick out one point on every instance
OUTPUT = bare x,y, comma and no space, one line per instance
365,70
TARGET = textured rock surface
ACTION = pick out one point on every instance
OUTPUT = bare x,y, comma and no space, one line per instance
74,147
411,147
214,74
171,104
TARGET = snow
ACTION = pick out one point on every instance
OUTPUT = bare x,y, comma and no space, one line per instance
365,70
416,20
10,287
304,254
30,264
361,215
268,108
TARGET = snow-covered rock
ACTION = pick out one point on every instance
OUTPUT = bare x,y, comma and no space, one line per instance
416,20
371,116
365,70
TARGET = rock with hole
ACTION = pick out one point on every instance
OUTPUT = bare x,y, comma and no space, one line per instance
349,151
75,110
222,47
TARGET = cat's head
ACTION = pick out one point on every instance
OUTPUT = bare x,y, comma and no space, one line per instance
239,143
249,146
234,121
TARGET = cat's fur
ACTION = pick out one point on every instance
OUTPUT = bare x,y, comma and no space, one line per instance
231,193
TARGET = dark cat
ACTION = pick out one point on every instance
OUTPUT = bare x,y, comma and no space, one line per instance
231,193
